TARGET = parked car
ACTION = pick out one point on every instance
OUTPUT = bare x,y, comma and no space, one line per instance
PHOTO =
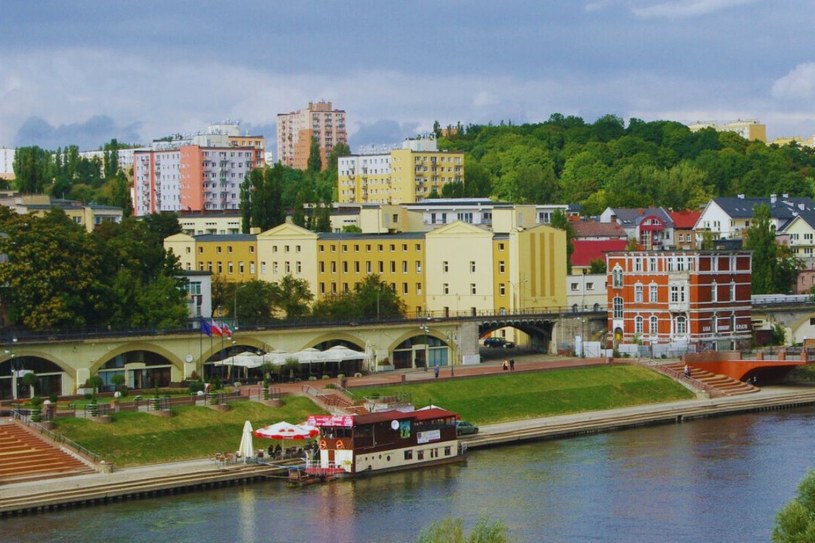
498,343
464,428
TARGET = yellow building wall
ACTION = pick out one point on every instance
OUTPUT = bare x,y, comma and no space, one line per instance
460,270
502,285
540,272
232,261
397,260
288,249
183,247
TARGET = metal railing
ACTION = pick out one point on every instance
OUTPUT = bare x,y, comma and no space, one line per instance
57,438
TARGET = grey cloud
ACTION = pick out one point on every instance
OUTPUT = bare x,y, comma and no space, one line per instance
382,132
88,135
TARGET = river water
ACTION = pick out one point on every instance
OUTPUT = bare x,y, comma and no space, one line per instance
721,480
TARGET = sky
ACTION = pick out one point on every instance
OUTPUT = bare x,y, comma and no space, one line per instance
84,72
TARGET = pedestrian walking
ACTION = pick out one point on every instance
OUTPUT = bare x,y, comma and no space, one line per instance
511,364
436,371
505,365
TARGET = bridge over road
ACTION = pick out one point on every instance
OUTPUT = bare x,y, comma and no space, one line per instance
62,364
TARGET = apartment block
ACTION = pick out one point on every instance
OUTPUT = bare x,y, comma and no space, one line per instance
200,173
692,300
402,176
296,130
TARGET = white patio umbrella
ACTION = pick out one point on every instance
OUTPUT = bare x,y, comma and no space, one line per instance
247,448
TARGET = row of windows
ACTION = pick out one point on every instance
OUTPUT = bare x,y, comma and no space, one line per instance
219,249
369,267
230,267
368,246
346,287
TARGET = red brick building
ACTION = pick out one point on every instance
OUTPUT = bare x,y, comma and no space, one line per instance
698,299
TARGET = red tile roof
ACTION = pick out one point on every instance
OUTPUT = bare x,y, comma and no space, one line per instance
685,219
596,229
587,250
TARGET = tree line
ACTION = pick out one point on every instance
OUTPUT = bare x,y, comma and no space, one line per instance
608,163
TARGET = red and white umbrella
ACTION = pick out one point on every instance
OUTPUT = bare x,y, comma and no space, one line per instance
284,430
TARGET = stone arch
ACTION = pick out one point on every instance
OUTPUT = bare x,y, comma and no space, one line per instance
63,366
335,336
171,357
418,333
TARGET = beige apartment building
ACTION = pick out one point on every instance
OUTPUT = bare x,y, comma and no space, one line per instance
295,131
402,176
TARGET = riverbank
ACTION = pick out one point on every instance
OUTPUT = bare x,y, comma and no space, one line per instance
129,483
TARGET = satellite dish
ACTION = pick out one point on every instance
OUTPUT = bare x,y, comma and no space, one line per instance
395,424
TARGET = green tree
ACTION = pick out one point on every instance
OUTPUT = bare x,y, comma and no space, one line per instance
774,266
262,198
795,523
370,299
51,277
33,169
292,297
252,300
315,161
561,222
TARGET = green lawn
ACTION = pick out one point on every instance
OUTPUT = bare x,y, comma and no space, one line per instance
192,432
512,396
199,432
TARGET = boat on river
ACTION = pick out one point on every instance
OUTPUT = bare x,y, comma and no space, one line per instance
354,445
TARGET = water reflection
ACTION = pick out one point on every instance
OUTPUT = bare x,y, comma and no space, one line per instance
712,480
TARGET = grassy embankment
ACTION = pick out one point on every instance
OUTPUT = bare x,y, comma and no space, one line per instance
134,438
513,396
198,432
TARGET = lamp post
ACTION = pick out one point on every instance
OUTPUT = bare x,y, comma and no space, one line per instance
10,352
424,328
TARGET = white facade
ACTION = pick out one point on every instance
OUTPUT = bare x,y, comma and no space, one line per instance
156,181
7,162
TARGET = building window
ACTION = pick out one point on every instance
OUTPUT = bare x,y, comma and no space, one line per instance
445,266
472,266
681,325
472,288
638,325
652,294
653,329
638,293
502,289
652,264
617,304
500,266
445,288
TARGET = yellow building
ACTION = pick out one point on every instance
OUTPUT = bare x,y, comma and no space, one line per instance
749,129
457,269
229,258
288,249
404,175
345,260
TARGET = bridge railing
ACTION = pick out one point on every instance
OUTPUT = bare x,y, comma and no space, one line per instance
20,336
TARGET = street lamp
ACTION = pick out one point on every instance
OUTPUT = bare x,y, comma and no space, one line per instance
424,328
10,352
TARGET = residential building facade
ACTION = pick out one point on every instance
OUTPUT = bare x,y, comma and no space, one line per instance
295,131
728,218
405,175
688,299
475,271
652,227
